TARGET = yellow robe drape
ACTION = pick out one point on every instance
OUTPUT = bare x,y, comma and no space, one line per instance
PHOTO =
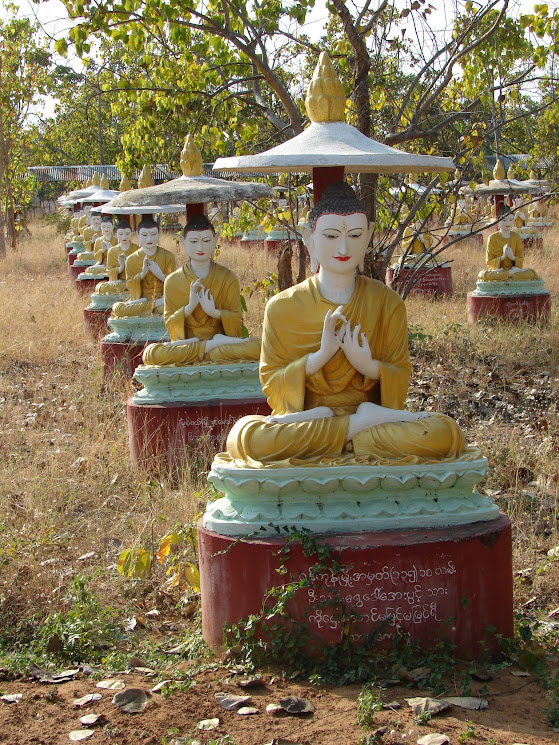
414,244
99,252
292,330
498,268
112,261
224,287
150,287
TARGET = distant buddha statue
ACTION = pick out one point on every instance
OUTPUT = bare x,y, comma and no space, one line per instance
504,253
416,240
101,247
90,234
146,270
520,215
335,362
202,308
116,261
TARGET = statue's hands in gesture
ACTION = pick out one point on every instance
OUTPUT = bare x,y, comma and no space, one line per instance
145,267
356,349
208,304
121,262
193,297
155,269
329,343
508,253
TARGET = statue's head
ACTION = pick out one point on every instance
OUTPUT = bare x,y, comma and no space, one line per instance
107,228
124,233
199,240
148,235
95,220
338,232
505,218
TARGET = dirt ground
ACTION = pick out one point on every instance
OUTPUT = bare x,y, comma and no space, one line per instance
46,714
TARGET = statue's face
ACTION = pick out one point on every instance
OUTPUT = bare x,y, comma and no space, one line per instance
148,238
199,245
339,242
124,237
96,221
107,229
506,222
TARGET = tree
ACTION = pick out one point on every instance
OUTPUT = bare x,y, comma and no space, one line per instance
24,64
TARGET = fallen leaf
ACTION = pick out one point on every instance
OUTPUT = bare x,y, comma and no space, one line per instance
392,705
87,699
247,710
160,686
135,662
433,739
415,675
296,705
466,702
88,555
130,625
81,734
93,719
208,724
11,698
112,684
432,706
274,709
520,674
281,741
131,701
253,682
231,702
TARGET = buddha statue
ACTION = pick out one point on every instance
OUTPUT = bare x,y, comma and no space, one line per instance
520,216
146,270
116,261
335,362
416,241
202,308
90,235
101,247
504,253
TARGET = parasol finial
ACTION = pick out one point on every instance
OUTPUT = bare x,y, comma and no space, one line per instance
499,171
145,179
125,184
104,184
325,101
510,173
191,158
95,179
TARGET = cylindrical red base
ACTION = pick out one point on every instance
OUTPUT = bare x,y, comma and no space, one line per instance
87,286
71,258
165,434
508,307
75,271
121,357
454,583
532,243
95,322
68,248
435,283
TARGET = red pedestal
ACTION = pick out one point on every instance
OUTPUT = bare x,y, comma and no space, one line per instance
121,357
274,247
532,243
95,322
74,270
449,582
68,248
165,434
508,307
71,258
87,286
435,283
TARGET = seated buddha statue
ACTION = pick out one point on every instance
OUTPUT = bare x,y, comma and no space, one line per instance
202,302
146,270
520,215
504,255
335,362
416,240
91,232
102,245
116,261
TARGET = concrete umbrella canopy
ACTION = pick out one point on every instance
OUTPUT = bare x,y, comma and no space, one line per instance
500,185
193,188
329,147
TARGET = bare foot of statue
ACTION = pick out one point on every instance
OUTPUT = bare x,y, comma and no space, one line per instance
320,412
219,340
370,415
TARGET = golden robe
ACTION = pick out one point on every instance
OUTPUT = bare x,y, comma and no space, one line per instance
415,244
224,287
292,330
89,236
150,287
112,261
498,268
100,256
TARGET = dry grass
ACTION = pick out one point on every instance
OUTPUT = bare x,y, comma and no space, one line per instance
67,488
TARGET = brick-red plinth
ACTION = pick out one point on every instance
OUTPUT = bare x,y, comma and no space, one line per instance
274,247
71,258
508,307
165,434
449,582
435,283
87,286
68,247
75,270
121,357
95,322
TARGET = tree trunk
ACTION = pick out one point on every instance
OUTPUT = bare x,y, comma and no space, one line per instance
285,273
3,161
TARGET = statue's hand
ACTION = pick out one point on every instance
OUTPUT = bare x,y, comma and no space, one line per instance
356,349
145,267
159,302
508,253
193,297
208,304
121,262
156,270
329,343
514,270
